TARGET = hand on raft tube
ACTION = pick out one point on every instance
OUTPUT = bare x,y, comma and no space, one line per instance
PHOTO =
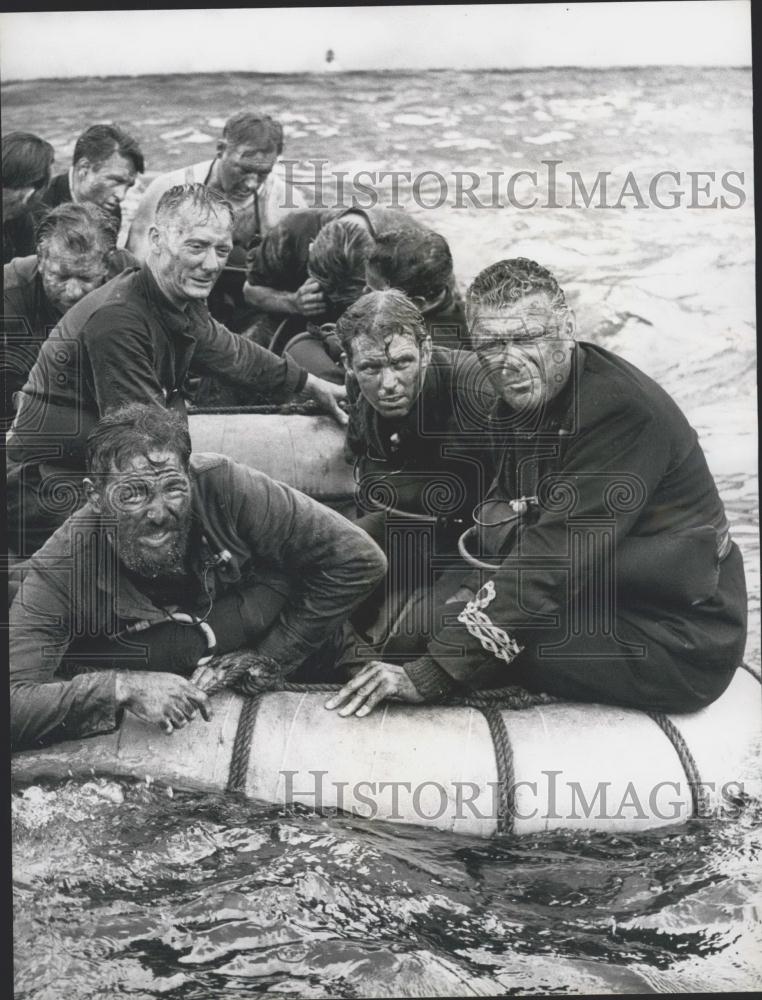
376,682
328,396
259,672
168,700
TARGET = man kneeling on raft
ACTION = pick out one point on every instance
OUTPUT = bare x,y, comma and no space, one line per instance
599,567
177,568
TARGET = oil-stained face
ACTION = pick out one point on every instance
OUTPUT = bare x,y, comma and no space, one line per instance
190,252
390,370
149,499
525,347
67,276
244,168
106,183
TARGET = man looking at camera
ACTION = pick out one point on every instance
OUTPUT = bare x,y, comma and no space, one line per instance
135,339
176,566
600,566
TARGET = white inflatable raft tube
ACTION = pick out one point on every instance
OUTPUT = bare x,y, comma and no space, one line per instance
560,766
306,452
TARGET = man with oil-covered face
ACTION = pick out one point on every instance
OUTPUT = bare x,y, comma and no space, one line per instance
247,174
416,432
601,563
181,566
76,253
105,165
135,339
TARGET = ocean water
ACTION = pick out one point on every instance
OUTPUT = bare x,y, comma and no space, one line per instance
124,890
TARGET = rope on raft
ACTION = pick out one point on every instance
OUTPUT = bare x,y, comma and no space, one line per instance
490,703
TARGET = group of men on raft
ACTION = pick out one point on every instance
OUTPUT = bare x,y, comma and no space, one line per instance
531,509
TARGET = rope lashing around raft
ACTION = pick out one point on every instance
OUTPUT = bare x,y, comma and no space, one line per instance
506,781
489,703
699,798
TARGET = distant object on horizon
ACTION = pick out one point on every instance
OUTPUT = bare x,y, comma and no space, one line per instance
331,63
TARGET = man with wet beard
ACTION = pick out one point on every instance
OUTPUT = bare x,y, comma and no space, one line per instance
603,565
135,339
76,253
176,567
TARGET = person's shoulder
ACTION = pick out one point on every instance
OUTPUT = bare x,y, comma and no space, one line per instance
610,383
97,311
195,173
57,192
222,480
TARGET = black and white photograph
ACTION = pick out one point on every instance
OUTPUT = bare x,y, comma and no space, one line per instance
381,524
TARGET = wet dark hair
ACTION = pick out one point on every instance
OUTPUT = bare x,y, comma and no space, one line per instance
337,260
251,126
380,314
197,196
136,429
417,261
507,281
81,228
98,142
27,161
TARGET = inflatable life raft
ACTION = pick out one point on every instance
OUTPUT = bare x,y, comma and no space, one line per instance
471,769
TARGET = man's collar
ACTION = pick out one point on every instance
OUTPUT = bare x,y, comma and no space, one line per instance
74,198
171,314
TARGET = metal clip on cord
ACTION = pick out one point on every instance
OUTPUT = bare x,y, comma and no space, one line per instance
211,639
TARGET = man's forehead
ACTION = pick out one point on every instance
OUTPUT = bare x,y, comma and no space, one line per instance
253,148
192,220
154,464
378,345
116,164
57,257
536,304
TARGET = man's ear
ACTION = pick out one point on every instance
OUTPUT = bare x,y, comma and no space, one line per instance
570,324
426,351
153,238
82,165
221,147
93,496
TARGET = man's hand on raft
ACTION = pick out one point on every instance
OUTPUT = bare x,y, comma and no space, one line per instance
167,700
376,682
328,396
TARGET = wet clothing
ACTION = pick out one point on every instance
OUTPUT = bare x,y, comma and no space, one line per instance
29,317
255,215
19,237
610,465
319,562
280,261
419,476
124,342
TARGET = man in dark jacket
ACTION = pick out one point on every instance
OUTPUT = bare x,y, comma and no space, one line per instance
76,253
135,339
417,420
175,562
605,569
105,165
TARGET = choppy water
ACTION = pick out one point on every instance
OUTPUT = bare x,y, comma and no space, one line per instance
122,890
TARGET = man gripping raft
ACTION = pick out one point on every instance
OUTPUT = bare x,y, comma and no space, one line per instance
605,571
